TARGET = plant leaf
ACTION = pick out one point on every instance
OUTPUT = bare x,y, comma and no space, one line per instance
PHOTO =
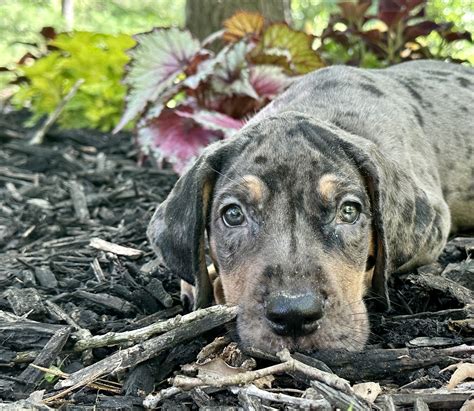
159,60
456,35
352,11
285,47
230,74
176,137
420,29
392,11
213,120
242,24
269,81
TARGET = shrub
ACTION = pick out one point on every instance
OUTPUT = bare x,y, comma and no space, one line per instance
397,32
186,96
99,59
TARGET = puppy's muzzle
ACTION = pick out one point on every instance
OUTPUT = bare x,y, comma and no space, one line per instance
294,314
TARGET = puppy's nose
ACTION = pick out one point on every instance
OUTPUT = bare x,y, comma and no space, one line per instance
294,315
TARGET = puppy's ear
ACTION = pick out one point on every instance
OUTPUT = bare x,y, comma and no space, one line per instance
410,217
178,227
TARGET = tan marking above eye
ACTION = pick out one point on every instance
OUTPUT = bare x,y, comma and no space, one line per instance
255,186
327,185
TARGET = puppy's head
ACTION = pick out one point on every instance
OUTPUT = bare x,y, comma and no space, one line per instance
290,214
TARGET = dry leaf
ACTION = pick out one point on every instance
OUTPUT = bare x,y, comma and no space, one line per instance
264,382
217,367
463,372
468,405
369,391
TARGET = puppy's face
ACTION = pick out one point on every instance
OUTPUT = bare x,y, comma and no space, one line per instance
290,233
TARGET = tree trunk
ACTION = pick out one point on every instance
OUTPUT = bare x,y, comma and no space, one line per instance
204,17
67,10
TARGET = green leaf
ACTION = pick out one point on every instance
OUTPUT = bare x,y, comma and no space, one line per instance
51,377
96,58
280,45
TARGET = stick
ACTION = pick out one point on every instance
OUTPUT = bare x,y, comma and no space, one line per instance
340,400
437,282
32,376
38,137
289,365
301,403
104,385
107,246
138,353
141,334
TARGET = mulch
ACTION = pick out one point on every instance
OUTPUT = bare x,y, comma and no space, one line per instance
65,208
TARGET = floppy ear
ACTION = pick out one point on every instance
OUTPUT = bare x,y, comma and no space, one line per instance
178,227
410,217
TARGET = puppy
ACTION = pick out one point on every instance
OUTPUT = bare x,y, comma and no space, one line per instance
349,176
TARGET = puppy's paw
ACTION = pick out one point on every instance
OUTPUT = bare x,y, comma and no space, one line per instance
187,294
216,285
188,291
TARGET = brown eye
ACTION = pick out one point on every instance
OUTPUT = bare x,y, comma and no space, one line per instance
233,216
349,212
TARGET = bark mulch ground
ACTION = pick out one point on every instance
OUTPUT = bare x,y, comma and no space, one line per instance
89,320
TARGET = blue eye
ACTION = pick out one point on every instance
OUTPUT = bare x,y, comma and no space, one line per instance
233,216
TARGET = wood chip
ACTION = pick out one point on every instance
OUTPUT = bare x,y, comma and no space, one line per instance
109,247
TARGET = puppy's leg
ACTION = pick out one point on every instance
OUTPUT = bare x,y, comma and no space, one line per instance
188,291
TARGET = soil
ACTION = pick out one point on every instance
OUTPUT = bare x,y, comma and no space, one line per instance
83,185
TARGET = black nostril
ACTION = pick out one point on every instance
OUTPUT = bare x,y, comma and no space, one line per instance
294,314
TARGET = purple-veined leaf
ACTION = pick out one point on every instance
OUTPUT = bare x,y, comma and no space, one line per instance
231,73
176,137
392,11
456,35
269,81
227,73
213,120
353,11
422,28
159,62
280,45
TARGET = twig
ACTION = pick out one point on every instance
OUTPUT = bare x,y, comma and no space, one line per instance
141,334
288,366
100,384
38,137
107,246
138,353
340,400
301,403
152,400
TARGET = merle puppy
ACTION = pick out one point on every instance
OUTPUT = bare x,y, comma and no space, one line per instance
347,177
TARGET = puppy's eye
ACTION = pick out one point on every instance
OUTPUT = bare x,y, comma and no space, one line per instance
349,212
233,216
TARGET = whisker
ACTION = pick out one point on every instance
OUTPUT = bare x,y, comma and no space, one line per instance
230,179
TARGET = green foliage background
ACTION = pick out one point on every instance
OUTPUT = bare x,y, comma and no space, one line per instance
22,19
99,58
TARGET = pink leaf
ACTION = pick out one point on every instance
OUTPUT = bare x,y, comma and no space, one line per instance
176,137
269,81
213,120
